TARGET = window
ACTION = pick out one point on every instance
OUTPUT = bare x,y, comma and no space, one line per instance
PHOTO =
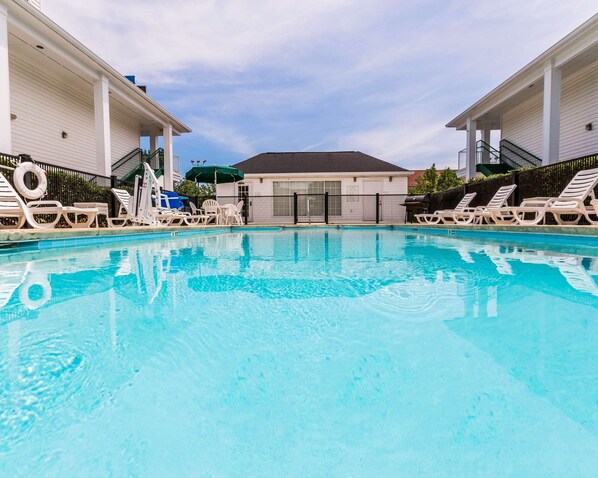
283,197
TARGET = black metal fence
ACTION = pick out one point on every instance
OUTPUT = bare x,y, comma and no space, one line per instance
317,208
545,181
67,185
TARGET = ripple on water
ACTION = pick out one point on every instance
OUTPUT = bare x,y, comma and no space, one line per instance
48,377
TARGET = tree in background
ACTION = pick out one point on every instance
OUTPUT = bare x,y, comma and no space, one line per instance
430,181
448,179
190,189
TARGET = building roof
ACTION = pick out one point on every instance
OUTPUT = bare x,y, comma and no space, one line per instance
578,49
35,28
315,162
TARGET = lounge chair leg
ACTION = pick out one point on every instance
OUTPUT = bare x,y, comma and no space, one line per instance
563,222
538,218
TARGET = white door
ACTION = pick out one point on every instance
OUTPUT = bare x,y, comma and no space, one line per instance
370,189
244,190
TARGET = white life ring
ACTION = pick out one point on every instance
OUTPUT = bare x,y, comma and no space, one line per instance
32,281
19,180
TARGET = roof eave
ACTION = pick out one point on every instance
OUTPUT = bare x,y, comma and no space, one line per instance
347,174
586,35
94,62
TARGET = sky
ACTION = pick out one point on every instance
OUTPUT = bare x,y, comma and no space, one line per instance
378,76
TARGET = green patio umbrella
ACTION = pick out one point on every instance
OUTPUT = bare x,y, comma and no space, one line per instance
214,174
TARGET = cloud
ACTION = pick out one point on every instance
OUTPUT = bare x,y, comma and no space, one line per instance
382,76
232,35
223,135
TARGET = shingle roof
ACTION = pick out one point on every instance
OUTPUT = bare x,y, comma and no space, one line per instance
312,162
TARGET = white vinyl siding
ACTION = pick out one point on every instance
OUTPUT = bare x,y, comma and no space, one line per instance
125,132
522,125
579,106
47,105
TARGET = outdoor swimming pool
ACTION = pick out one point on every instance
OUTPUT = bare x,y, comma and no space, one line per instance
312,352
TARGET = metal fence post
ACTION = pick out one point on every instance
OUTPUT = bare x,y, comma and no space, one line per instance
295,211
245,208
112,197
326,208
516,199
377,208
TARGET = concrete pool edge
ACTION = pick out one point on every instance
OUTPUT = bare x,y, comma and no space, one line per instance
36,239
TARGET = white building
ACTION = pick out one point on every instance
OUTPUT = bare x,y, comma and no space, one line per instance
271,179
64,105
546,112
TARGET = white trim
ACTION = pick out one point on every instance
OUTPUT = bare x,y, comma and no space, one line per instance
551,114
101,106
153,145
471,152
486,136
168,158
5,117
373,174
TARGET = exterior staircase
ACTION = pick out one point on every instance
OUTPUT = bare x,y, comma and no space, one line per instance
490,161
131,164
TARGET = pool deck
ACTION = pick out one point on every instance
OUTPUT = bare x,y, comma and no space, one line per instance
29,235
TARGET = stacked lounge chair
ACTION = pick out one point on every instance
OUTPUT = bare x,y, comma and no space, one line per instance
484,213
446,215
570,202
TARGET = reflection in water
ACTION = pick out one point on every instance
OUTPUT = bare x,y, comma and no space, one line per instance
80,327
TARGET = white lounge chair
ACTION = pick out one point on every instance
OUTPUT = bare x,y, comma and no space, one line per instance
124,215
189,219
445,215
569,202
13,207
484,213
165,217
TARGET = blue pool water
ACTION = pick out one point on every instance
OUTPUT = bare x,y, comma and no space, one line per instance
294,353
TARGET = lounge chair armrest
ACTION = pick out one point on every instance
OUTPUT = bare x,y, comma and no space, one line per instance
44,204
579,202
537,202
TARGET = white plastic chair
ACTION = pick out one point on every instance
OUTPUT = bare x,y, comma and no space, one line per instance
211,208
232,214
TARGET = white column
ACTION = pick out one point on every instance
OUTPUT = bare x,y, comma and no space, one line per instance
153,144
5,129
471,153
486,132
168,157
552,114
101,104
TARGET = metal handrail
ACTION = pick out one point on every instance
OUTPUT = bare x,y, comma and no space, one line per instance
529,158
127,157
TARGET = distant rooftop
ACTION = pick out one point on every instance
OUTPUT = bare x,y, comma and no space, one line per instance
315,162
